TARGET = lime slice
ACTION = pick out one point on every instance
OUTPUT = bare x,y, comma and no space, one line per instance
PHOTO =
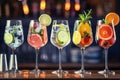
76,37
45,19
8,38
62,37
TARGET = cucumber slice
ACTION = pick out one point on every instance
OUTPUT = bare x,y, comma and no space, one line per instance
62,37
8,37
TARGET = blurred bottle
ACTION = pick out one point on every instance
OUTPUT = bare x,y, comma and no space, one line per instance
59,9
12,63
7,10
75,55
35,9
3,63
93,55
0,10
54,57
44,57
99,11
64,55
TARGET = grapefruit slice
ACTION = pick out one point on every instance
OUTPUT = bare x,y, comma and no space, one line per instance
35,40
105,32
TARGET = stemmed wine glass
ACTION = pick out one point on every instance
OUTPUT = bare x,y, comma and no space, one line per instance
13,37
37,38
60,37
105,38
82,37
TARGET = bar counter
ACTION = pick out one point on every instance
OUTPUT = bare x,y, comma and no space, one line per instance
48,76
48,68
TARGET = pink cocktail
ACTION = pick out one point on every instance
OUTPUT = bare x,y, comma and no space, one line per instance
37,38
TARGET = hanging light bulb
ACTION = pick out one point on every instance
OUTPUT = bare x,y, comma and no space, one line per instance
42,5
25,7
67,5
77,5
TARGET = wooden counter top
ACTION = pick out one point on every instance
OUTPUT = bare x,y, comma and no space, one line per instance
48,76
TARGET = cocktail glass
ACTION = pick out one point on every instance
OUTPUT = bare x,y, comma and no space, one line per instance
37,38
82,37
60,37
105,38
13,37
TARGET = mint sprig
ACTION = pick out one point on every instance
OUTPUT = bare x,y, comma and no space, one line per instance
85,16
105,21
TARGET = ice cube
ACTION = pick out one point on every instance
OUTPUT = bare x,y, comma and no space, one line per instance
38,28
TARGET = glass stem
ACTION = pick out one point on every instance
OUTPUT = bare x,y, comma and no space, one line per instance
82,58
13,64
60,67
106,59
36,61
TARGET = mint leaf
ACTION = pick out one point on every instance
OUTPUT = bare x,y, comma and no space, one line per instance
41,32
85,16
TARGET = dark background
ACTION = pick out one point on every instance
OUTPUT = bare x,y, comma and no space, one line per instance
49,53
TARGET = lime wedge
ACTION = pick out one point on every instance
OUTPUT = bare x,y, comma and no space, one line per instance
76,37
62,37
45,19
8,37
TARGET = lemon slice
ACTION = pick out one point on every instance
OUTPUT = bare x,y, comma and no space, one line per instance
45,19
62,37
76,37
8,37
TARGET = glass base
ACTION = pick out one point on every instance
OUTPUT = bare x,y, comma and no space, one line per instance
107,72
15,71
37,71
60,72
82,72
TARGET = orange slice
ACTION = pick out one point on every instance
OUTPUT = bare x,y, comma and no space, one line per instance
84,27
112,16
105,32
